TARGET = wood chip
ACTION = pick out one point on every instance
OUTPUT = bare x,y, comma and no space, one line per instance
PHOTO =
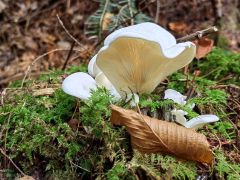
43,92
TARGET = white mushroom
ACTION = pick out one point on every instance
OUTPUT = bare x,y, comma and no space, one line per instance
194,123
133,59
133,98
201,120
137,58
176,96
79,85
179,114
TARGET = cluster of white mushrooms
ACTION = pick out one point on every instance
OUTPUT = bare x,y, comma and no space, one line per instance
133,60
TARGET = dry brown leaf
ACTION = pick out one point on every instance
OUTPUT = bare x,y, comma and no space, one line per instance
73,123
107,18
204,46
149,135
26,178
177,26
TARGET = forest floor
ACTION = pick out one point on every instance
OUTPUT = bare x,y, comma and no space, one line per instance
43,130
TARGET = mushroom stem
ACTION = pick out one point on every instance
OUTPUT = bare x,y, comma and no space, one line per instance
198,34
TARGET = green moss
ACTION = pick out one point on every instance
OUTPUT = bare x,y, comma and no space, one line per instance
119,171
95,110
158,165
177,82
222,42
221,65
225,169
35,130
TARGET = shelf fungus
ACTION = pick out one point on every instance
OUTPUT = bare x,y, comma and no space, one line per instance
133,60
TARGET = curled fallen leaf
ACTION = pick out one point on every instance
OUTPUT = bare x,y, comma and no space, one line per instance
149,135
204,46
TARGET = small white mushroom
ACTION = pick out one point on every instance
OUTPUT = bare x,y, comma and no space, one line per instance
176,96
180,116
194,123
79,85
133,98
201,120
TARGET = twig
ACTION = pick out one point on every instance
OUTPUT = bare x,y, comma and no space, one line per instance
186,73
3,153
6,134
5,138
102,16
74,58
68,56
40,11
73,38
17,77
234,125
157,12
79,166
198,34
131,11
224,79
39,57
194,85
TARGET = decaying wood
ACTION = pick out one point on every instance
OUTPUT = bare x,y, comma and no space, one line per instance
149,135
43,92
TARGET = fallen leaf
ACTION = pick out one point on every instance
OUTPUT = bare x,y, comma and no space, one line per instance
177,26
30,43
26,178
204,46
149,135
73,123
107,18
2,6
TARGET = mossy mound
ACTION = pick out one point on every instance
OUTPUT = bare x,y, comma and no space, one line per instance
51,135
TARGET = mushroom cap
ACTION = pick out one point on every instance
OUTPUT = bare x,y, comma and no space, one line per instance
137,64
176,96
79,85
201,120
93,70
147,30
